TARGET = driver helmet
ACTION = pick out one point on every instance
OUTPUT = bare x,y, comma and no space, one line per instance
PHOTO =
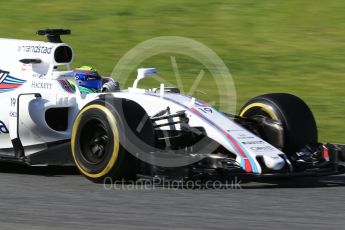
88,79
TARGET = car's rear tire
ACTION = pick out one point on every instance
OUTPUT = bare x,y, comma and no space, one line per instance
298,122
99,136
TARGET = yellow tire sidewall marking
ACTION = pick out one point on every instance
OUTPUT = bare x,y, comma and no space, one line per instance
266,108
112,122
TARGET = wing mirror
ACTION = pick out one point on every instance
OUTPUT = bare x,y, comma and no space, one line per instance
143,73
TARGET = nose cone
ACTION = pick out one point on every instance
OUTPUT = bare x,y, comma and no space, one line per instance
275,163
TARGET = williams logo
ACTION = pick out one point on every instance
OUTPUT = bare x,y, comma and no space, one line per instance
8,83
3,128
3,75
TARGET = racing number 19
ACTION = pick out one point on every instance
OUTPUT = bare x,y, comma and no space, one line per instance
13,102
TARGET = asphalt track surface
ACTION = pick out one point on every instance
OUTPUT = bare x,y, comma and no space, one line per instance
60,198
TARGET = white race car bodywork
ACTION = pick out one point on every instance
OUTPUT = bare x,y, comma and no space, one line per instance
31,85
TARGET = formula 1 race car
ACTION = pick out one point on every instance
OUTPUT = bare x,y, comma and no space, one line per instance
46,119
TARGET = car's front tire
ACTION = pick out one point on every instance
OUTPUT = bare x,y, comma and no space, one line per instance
99,136
298,122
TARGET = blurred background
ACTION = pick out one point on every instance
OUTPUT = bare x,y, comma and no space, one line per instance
294,46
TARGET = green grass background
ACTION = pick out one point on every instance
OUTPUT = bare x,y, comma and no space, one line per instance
295,46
